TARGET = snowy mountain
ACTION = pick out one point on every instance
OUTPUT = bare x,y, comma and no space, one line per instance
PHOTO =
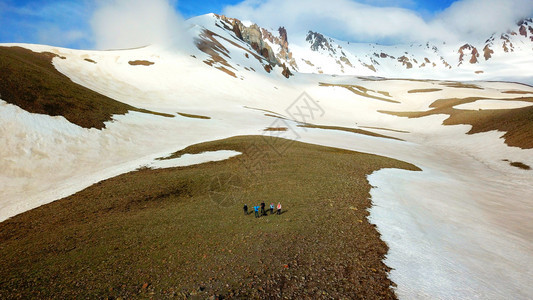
501,55
459,228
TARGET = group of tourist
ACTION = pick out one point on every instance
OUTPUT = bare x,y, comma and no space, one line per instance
260,210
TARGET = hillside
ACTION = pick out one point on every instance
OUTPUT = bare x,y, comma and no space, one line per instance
398,182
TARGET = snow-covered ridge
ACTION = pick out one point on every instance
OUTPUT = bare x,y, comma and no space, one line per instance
502,55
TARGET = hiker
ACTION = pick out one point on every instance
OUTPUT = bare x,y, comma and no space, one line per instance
279,208
256,209
245,209
263,212
271,208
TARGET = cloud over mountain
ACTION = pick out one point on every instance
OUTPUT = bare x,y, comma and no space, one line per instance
363,22
135,23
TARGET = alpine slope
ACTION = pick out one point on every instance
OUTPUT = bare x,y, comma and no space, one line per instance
460,228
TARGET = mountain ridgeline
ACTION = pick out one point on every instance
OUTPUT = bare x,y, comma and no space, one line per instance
318,53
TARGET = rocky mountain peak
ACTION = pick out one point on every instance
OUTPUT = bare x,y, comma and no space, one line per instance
319,41
272,47
262,41
283,35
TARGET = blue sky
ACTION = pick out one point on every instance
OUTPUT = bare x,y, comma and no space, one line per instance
68,23
189,8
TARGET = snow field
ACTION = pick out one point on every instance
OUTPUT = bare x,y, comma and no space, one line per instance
460,228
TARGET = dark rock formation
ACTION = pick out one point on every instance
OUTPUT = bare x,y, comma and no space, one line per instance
284,39
487,52
286,72
237,30
318,41
523,30
473,50
405,62
507,45
475,55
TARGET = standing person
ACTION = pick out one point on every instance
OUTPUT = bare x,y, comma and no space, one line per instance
256,209
263,212
245,209
279,208
271,208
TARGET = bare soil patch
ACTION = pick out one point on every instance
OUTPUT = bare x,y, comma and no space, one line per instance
423,91
461,85
140,63
353,130
276,129
180,233
517,164
386,94
520,165
517,92
194,116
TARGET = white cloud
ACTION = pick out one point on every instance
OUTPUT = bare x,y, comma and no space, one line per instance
122,24
364,22
468,18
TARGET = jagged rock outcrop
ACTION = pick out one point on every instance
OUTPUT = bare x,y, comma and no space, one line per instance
253,36
523,30
237,30
272,48
507,44
487,52
475,55
284,38
405,62
345,60
257,38
318,41
286,72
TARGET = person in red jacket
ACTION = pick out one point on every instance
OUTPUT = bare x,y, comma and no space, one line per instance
279,208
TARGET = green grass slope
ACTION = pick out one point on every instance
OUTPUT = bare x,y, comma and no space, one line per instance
181,232
30,81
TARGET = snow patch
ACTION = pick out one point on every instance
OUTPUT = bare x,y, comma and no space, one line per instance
193,159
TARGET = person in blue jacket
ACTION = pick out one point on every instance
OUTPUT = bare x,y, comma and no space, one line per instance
256,210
